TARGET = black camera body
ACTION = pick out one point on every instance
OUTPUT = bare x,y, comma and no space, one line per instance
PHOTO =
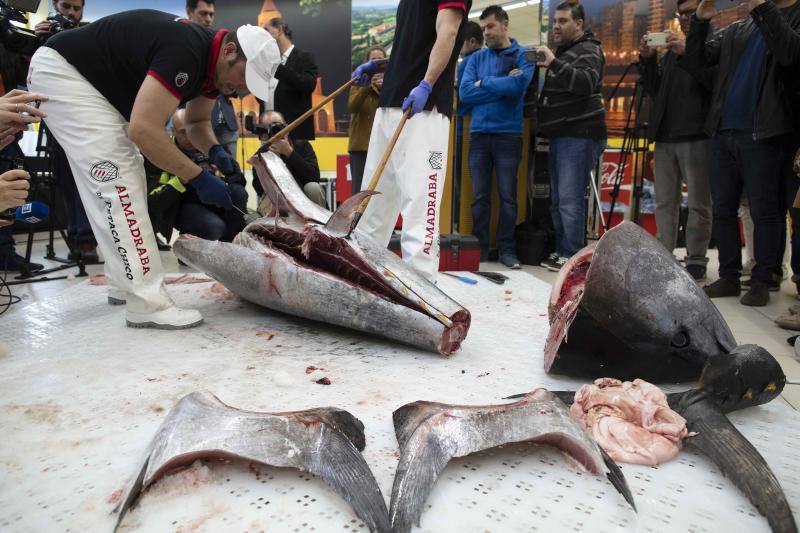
13,38
259,130
59,22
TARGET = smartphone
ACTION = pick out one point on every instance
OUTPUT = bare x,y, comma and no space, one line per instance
533,56
656,39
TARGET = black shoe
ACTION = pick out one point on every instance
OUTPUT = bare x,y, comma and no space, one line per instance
723,287
16,263
758,295
774,284
698,272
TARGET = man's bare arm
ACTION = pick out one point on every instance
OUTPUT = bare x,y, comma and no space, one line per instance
152,109
447,22
198,123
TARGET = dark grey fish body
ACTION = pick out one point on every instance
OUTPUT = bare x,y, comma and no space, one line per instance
625,308
301,265
325,442
430,434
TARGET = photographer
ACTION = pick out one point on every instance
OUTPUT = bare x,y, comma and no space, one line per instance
173,205
572,116
298,154
681,153
16,112
749,118
68,15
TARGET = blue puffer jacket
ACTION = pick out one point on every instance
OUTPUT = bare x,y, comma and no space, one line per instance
497,104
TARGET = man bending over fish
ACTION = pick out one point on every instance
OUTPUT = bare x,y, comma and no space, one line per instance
114,84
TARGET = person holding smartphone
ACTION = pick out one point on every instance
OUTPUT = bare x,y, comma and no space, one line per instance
676,123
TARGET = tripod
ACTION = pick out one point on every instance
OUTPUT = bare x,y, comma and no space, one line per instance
41,169
634,142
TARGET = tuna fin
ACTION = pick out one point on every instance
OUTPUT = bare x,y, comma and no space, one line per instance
617,479
324,442
430,434
273,190
342,219
568,397
719,440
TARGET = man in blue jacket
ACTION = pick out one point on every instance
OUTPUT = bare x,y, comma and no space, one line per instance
494,84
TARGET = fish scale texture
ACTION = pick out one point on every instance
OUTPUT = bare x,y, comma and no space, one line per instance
82,396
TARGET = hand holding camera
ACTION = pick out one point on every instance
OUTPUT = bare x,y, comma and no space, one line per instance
675,43
281,147
13,189
15,111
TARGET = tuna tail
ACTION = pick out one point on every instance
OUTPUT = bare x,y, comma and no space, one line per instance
341,220
324,442
739,461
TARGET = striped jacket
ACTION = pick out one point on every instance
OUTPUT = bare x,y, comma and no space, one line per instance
571,103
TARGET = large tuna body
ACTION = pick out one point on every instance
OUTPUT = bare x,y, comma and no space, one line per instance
301,263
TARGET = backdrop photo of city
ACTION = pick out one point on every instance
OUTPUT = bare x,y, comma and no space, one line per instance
372,24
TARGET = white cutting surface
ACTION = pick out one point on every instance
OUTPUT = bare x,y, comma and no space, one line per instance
81,396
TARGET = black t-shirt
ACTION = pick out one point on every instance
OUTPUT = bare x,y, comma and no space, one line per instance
414,38
117,52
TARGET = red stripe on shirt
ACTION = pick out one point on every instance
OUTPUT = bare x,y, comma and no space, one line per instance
459,5
209,89
171,88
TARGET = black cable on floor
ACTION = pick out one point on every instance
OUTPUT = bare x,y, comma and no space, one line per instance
6,298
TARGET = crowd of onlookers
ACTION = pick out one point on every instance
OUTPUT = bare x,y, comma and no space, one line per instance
725,120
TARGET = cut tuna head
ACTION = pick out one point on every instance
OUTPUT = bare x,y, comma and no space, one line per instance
625,308
298,262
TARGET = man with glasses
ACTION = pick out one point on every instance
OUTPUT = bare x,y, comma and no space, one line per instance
681,153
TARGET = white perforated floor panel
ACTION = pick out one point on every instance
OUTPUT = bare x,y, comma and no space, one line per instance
81,396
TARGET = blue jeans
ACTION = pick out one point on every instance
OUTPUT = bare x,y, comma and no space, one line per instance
570,161
502,153
740,163
212,223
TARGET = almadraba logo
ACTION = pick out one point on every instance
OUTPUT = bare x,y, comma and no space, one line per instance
435,160
181,79
104,171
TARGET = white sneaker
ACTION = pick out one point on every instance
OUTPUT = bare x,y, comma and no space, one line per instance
169,318
116,296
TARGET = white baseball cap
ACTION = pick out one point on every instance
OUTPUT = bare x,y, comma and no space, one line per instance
263,58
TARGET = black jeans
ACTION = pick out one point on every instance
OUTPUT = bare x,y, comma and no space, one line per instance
357,161
740,163
790,186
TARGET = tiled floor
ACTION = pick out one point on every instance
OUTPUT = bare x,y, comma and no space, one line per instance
749,324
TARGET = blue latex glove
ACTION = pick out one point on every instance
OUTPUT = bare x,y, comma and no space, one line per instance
223,160
363,73
211,190
417,98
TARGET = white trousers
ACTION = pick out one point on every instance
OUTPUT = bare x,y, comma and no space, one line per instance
412,184
109,173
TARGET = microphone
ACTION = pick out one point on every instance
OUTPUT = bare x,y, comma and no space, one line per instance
30,213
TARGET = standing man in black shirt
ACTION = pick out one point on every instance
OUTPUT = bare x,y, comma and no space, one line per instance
115,83
419,78
294,81
676,126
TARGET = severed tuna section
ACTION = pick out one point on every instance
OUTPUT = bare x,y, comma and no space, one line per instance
301,261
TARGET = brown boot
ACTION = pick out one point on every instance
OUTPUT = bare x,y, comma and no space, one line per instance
757,296
789,321
723,287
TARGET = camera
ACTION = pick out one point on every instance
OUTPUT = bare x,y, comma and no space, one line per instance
60,22
251,126
14,38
